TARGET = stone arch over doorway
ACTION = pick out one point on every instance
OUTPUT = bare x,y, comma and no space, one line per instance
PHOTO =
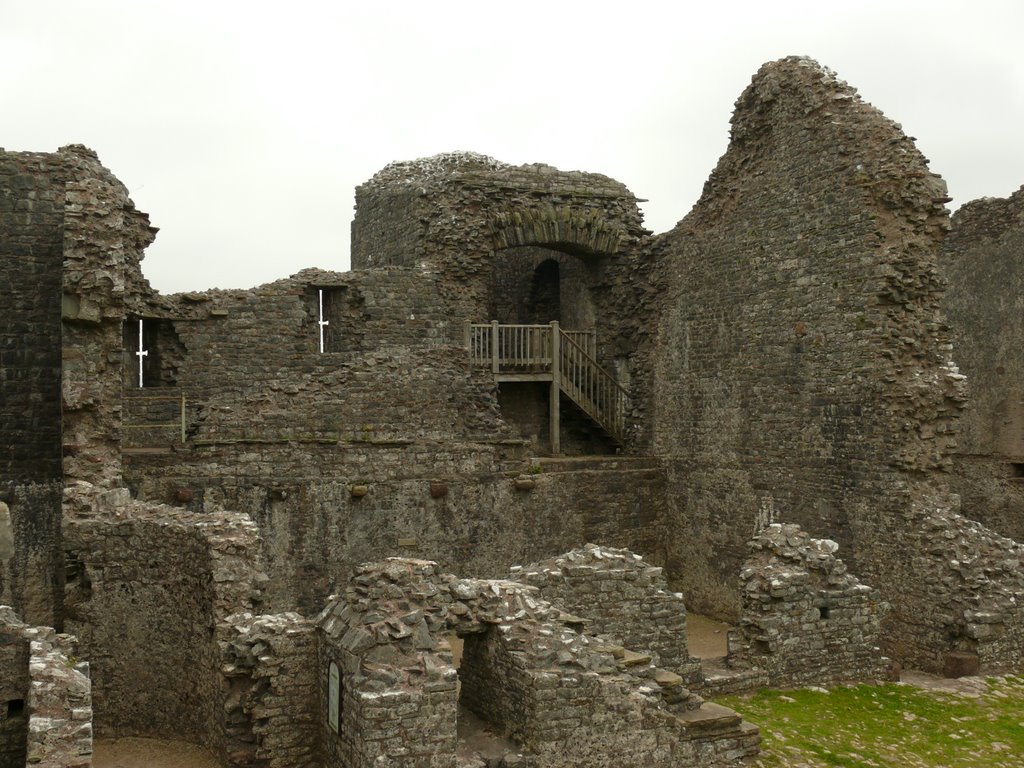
563,226
535,285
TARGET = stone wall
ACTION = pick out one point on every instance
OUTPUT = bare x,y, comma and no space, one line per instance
31,255
562,697
981,258
59,703
805,619
148,587
969,584
45,698
275,428
70,246
467,205
271,712
622,597
104,240
482,227
455,504
802,372
14,688
31,245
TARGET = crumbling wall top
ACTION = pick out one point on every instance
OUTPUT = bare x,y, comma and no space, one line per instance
434,169
430,174
788,549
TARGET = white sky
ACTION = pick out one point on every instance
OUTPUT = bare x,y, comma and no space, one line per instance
242,128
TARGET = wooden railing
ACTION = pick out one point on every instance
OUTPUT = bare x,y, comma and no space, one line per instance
548,353
505,348
592,388
150,410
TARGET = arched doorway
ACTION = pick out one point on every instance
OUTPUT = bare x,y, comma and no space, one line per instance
544,302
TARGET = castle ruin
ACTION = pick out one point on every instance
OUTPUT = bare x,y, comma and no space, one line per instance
263,519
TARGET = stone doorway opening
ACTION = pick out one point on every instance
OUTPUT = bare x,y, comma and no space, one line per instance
479,740
544,302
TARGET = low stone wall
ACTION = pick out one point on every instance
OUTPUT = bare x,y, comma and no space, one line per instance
59,703
564,698
622,597
14,685
969,592
805,620
148,587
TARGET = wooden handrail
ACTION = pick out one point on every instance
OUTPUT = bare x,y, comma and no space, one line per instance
592,388
147,397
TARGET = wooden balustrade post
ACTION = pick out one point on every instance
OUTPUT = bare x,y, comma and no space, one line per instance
556,386
495,367
469,338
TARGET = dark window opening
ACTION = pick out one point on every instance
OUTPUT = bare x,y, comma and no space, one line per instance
341,318
15,708
823,612
154,345
1017,468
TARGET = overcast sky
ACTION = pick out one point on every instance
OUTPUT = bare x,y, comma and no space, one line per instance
242,128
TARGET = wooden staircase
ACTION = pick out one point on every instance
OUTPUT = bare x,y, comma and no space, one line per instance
549,353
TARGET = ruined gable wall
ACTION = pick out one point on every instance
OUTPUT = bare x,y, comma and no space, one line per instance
982,260
802,365
104,240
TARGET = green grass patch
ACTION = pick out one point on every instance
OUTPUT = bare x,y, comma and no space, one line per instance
889,725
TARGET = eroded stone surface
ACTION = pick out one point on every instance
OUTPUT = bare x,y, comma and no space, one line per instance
981,259
562,696
47,697
806,620
786,360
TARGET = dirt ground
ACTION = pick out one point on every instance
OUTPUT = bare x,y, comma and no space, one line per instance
149,753
705,637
